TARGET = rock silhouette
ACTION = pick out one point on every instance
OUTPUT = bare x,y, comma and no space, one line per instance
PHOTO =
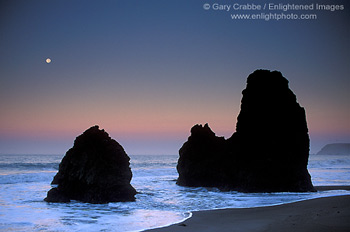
95,170
268,152
201,159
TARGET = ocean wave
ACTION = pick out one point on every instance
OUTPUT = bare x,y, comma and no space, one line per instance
27,177
29,166
329,162
25,180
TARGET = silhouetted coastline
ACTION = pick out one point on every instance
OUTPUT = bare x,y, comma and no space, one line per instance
335,149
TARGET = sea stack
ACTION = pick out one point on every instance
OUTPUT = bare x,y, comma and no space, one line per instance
268,152
95,170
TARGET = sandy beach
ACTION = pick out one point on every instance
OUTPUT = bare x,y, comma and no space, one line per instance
322,214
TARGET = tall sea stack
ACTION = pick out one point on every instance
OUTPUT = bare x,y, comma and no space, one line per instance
268,152
95,170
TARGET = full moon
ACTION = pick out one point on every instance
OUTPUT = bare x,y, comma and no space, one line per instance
48,60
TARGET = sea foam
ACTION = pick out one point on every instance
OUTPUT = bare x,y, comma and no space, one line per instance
25,180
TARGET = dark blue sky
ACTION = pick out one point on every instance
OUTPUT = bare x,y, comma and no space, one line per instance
147,71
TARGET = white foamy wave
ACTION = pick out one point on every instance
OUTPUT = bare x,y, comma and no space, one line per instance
25,180
329,162
27,177
329,170
153,161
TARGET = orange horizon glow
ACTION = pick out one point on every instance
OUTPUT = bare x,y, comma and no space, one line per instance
150,117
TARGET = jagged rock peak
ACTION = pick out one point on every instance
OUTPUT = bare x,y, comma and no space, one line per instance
201,130
263,79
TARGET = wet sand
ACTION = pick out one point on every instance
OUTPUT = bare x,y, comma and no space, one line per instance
322,214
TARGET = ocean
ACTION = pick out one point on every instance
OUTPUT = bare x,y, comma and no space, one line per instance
25,180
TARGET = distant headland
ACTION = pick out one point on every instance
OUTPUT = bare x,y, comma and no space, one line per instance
335,149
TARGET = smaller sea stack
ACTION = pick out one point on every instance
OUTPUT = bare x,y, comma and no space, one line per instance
95,170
